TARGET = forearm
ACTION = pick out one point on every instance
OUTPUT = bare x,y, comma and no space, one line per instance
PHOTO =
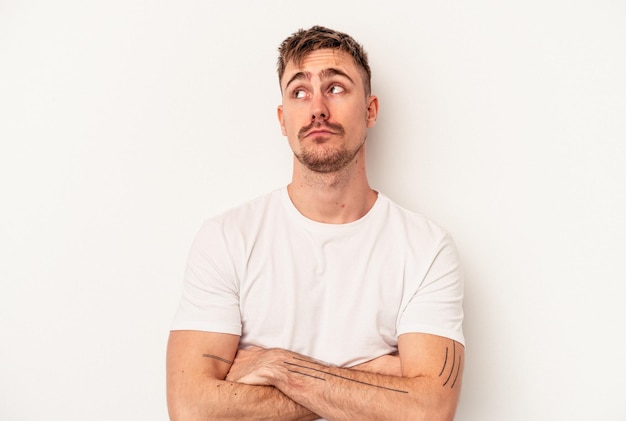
204,399
346,394
198,389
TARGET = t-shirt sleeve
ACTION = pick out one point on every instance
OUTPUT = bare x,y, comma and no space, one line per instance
436,306
210,297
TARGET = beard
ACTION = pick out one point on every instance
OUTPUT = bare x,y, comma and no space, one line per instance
323,158
326,159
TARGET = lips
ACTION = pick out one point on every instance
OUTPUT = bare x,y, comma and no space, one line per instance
317,129
319,133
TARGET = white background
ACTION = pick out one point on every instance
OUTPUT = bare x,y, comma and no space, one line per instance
123,124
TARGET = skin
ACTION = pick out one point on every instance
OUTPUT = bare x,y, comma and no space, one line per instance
197,389
314,96
325,114
427,388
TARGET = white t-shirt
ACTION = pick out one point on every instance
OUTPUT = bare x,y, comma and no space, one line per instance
339,293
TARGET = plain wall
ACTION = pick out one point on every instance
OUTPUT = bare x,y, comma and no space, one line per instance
123,124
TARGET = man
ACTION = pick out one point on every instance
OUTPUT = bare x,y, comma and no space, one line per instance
323,299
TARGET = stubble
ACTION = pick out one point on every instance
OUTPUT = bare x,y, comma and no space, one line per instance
321,156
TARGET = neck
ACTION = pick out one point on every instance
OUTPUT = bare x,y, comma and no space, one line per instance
334,198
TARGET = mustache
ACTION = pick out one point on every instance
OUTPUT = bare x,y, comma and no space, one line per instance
334,127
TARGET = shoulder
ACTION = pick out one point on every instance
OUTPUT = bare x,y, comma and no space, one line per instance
414,224
249,210
246,219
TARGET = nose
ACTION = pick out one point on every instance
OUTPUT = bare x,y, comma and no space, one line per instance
319,108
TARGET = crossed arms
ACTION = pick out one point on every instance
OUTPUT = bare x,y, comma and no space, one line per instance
207,378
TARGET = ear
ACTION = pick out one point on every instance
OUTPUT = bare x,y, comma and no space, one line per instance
372,111
281,120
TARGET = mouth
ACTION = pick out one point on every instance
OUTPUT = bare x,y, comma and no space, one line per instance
319,130
318,133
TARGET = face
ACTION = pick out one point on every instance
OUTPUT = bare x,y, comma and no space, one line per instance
325,112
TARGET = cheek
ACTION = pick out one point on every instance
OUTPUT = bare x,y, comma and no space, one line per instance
290,125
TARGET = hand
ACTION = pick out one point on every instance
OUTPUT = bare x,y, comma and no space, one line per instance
252,366
388,365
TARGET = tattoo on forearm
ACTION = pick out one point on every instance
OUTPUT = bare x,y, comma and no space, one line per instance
305,374
334,375
215,357
455,367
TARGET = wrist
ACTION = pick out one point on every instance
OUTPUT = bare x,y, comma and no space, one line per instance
277,370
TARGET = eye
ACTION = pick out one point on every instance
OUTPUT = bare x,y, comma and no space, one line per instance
336,89
299,93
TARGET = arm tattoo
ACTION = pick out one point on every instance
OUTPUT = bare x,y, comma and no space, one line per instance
455,365
308,375
215,357
335,375
444,363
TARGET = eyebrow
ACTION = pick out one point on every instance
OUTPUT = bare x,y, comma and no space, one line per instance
324,74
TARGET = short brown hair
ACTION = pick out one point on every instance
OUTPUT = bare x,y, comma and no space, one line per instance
299,44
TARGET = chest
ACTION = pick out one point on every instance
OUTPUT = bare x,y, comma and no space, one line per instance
309,293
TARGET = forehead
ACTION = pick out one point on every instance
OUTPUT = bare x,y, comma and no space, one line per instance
317,61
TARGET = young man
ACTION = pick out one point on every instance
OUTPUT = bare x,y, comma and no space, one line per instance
322,299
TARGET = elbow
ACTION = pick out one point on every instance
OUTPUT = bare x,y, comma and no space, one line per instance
190,402
182,411
175,408
433,414
181,406
441,411
433,408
